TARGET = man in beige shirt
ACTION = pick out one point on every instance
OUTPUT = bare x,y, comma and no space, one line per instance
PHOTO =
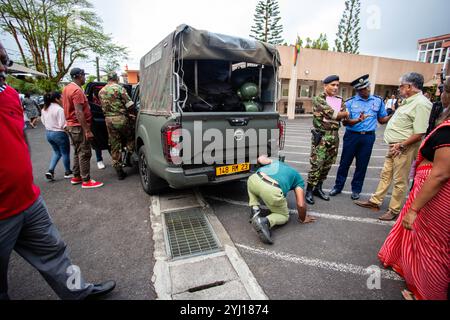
404,134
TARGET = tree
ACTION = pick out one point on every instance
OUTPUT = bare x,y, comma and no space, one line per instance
267,26
349,28
321,43
52,35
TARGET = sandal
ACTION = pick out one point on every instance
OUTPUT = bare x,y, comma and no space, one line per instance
408,295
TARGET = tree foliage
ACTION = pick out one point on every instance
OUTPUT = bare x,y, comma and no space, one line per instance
267,22
320,43
52,35
349,28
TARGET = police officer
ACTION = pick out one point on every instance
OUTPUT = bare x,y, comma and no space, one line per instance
329,109
365,111
120,119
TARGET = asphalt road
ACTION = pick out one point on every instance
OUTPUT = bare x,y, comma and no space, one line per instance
108,232
315,261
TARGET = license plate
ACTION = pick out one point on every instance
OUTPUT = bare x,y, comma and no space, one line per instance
233,169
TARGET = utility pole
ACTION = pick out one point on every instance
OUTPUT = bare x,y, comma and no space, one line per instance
97,60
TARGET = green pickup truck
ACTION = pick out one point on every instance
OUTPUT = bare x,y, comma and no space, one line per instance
207,109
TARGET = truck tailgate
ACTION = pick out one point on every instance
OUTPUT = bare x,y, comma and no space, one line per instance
224,138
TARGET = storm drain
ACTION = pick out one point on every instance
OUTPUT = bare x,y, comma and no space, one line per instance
189,234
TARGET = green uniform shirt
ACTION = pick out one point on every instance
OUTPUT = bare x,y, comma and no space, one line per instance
115,100
287,177
410,119
324,115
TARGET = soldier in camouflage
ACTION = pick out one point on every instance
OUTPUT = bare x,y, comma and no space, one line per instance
120,120
329,110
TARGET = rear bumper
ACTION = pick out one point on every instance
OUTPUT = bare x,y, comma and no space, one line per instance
178,178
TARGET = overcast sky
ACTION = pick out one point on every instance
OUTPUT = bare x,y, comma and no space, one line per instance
389,28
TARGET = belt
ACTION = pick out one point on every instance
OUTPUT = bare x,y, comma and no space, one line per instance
321,130
273,184
368,133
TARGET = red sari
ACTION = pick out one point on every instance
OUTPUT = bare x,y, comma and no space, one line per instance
422,256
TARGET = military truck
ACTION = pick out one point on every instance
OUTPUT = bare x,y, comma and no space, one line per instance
199,88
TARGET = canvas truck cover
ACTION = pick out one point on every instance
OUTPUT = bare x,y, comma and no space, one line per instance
187,43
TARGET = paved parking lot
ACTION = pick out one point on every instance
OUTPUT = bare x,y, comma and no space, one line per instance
109,233
325,260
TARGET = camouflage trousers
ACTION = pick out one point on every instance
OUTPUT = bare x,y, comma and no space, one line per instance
323,156
121,136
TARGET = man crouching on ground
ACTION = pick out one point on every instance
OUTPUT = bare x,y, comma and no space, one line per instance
271,184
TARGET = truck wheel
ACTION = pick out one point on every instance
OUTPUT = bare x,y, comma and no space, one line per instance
151,183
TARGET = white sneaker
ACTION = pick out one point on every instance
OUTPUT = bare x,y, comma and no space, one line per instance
101,165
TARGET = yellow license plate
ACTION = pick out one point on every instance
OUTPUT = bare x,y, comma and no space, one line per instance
233,169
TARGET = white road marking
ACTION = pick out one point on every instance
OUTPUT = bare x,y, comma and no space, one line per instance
317,263
309,147
315,214
309,154
334,165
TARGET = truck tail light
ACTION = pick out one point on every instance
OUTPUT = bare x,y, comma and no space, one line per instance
171,137
282,137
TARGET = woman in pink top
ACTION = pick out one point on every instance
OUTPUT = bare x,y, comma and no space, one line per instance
55,122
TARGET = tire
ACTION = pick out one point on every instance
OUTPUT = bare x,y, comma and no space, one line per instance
151,183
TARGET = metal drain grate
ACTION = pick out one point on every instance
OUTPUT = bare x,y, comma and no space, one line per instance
189,234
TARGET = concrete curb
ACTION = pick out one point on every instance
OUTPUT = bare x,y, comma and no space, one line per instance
172,280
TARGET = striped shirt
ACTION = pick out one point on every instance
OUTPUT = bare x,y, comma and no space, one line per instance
2,88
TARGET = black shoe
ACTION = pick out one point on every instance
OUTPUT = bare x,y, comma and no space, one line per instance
121,175
334,192
310,195
254,213
262,227
68,175
319,193
127,160
101,290
50,176
355,196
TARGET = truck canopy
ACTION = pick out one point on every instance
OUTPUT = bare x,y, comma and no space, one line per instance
187,43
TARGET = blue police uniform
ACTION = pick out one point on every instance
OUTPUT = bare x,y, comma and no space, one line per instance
359,140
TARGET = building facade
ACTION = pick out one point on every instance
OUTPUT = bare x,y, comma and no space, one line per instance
434,50
130,76
301,83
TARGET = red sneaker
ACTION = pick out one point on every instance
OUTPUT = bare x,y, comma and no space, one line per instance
92,184
75,181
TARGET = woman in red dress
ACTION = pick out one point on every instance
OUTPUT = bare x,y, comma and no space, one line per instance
418,247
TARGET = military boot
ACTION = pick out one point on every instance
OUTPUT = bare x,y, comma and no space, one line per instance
319,192
121,175
310,195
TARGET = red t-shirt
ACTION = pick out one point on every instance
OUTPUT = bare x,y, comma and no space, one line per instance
73,95
17,189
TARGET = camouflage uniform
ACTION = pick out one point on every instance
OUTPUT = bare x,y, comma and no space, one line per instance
116,105
324,155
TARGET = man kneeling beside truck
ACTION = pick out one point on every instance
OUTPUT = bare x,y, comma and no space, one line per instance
272,184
